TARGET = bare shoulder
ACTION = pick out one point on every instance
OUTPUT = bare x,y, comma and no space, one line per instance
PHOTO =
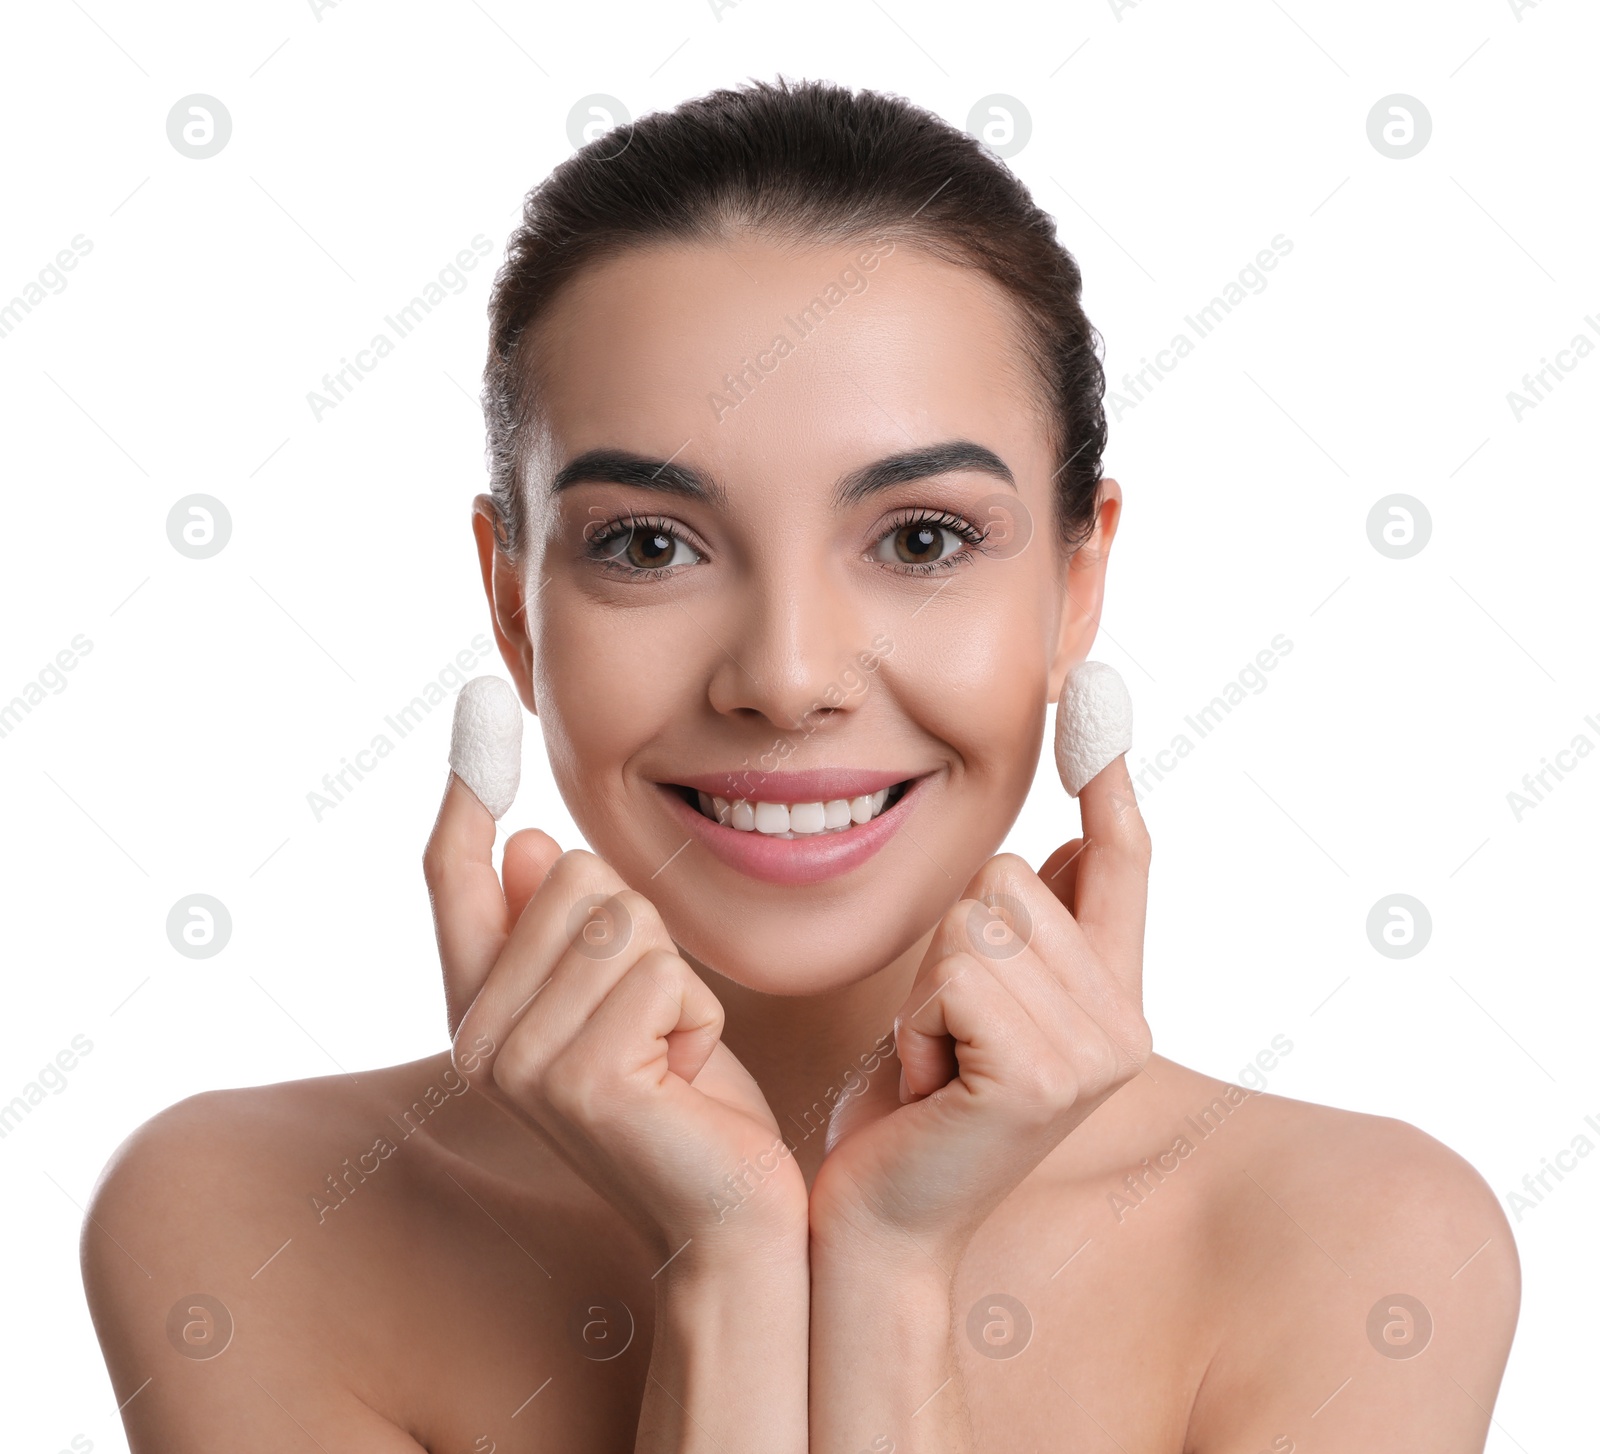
199,1253
1367,1283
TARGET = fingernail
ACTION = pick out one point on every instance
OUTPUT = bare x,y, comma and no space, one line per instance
905,1090
486,741
1094,722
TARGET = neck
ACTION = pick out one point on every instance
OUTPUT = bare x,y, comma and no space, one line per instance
809,1052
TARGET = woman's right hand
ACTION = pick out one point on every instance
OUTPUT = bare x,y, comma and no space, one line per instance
569,1004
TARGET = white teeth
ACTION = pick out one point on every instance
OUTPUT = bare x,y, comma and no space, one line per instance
772,818
807,818
793,820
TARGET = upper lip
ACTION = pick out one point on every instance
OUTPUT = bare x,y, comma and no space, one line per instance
817,785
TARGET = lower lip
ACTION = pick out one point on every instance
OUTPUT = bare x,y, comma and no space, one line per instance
810,859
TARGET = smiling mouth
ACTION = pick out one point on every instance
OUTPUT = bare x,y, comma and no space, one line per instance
793,820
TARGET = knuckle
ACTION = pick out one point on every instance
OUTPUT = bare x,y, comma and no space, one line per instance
951,935
1047,1087
433,862
516,1070
569,1090
1139,1040
644,918
1139,842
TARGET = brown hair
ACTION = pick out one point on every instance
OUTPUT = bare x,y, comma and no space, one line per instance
800,160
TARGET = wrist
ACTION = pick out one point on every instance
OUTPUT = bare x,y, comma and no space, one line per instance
703,1272
868,1274
874,1254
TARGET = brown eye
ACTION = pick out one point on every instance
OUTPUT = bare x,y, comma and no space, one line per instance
919,544
649,549
923,542
641,546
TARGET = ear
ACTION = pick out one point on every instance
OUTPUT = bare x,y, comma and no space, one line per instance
502,584
1084,585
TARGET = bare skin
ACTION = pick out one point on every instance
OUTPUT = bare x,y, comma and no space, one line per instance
1058,1240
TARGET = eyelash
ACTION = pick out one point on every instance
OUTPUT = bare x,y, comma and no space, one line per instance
597,539
958,525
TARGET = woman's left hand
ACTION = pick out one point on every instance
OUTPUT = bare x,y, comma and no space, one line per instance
1026,1014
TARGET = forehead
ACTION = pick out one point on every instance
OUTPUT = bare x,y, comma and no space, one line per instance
750,357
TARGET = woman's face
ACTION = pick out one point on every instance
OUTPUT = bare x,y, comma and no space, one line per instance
757,569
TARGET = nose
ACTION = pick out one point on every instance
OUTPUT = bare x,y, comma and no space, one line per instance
792,656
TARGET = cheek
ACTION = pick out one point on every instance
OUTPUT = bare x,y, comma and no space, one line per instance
607,682
975,674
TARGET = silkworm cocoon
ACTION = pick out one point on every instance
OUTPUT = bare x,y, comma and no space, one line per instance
486,741
1094,722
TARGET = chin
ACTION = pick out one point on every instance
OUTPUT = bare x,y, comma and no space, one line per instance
801,952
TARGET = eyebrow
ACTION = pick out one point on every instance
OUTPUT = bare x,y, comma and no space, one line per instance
622,467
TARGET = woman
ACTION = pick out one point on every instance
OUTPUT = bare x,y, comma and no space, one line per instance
768,1126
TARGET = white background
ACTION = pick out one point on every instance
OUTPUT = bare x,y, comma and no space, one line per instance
1171,142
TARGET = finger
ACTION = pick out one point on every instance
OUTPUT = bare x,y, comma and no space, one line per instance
524,863
605,941
569,902
469,907
660,1017
1113,873
1059,873
1035,952
963,1024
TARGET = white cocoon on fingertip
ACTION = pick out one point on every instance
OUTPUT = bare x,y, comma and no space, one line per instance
1094,722
486,741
